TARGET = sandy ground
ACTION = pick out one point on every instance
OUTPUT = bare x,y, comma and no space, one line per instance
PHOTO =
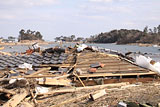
140,93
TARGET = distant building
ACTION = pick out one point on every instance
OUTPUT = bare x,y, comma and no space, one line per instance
9,40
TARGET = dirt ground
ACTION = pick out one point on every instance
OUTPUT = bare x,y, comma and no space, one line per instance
140,93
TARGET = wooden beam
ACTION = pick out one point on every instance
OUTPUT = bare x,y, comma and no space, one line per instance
79,79
111,74
39,71
2,90
102,70
74,89
43,76
53,81
16,99
108,65
91,62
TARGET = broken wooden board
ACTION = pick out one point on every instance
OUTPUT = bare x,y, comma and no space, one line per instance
53,81
16,99
98,94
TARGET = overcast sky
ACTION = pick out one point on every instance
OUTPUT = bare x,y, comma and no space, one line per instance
79,17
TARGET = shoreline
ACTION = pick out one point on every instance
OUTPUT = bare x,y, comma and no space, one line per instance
144,44
46,43
27,43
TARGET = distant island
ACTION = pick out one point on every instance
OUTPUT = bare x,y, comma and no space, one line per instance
122,36
29,35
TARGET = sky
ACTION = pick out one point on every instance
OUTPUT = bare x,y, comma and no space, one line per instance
82,18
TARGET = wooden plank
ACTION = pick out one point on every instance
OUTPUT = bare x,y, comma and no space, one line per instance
111,74
74,89
98,94
99,59
2,90
39,71
16,99
117,70
106,64
122,67
52,81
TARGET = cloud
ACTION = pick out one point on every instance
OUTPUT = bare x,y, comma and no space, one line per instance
107,1
100,0
129,23
7,16
94,17
103,8
27,2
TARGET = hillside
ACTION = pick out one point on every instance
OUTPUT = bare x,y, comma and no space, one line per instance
124,36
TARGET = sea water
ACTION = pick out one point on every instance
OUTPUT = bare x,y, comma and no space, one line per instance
150,51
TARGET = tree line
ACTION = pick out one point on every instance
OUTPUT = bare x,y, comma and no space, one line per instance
124,36
29,35
71,38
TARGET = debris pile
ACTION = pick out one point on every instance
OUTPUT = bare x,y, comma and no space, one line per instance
63,76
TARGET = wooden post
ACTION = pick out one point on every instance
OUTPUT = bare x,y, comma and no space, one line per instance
79,79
